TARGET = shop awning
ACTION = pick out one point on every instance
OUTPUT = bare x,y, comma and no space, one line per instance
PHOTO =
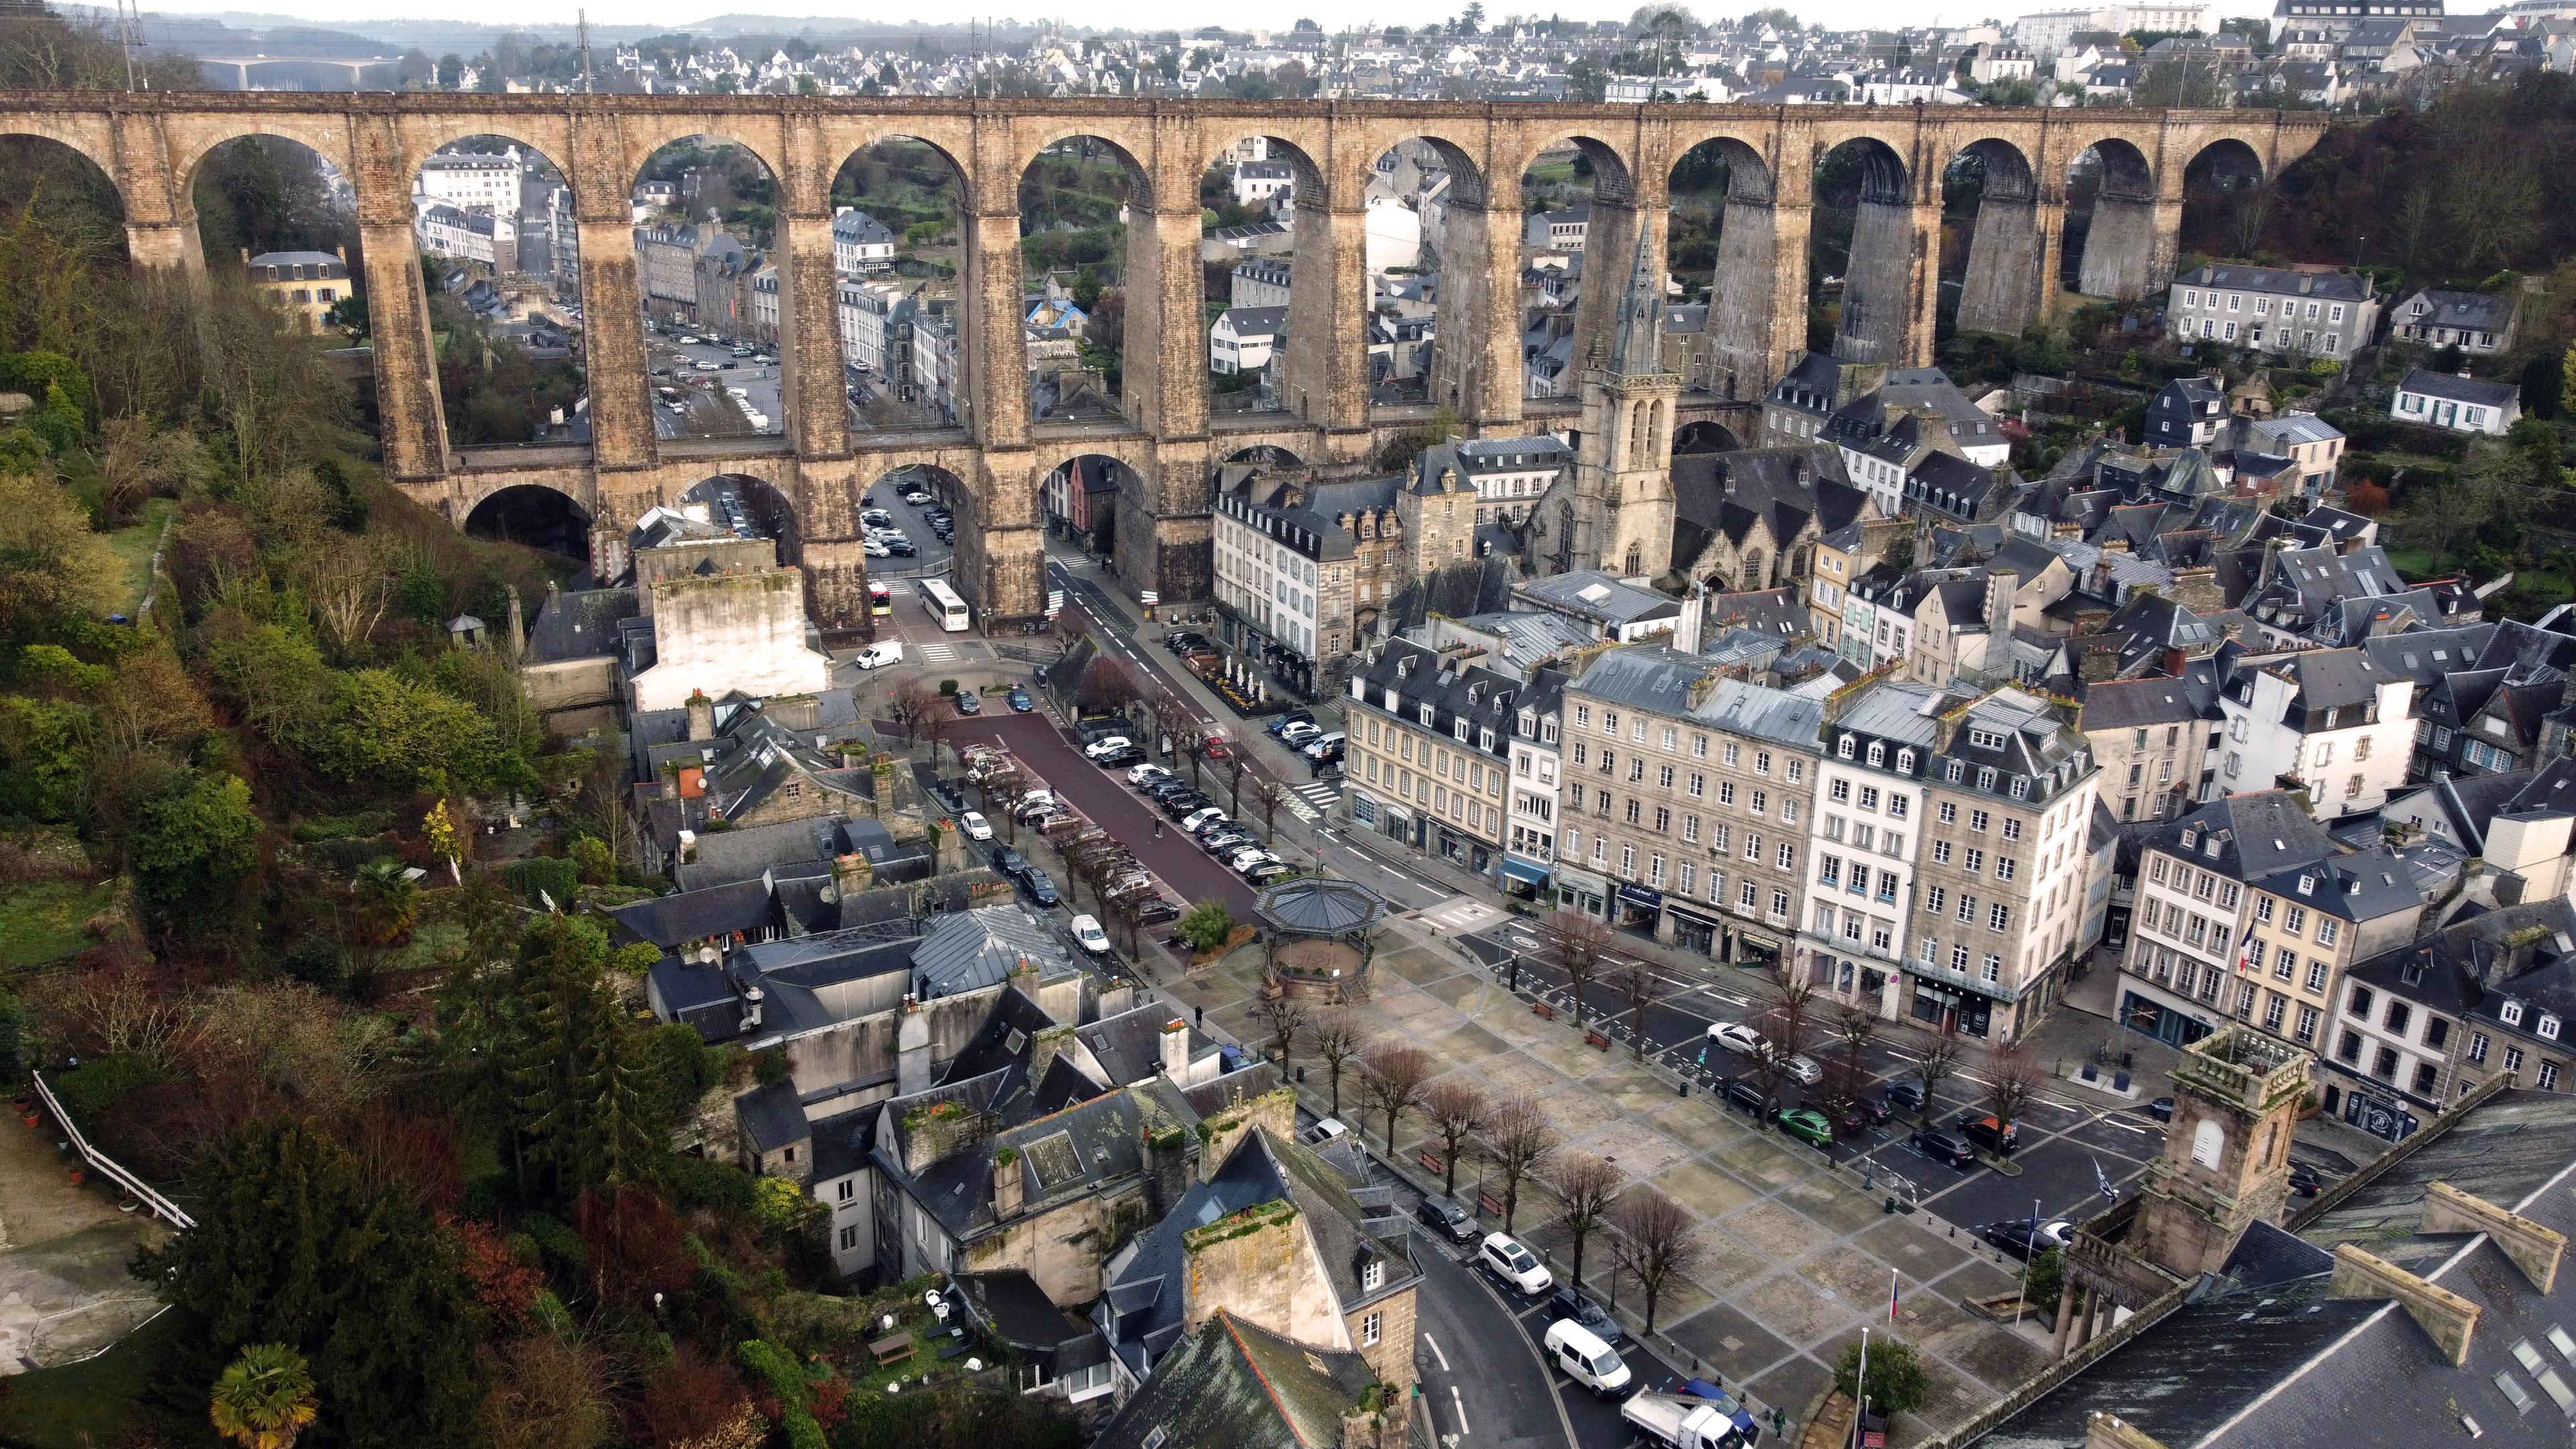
1525,871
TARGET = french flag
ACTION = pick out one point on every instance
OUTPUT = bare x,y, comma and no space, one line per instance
1891,1296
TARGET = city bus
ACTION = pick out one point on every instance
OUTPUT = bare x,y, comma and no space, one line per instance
942,604
880,599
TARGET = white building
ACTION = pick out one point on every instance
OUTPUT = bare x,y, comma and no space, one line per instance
1263,181
1867,827
2273,309
2462,404
469,236
1510,475
864,310
1243,338
2328,717
1394,234
1531,856
466,180
860,243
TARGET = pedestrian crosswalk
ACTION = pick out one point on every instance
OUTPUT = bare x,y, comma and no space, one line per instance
1315,800
939,651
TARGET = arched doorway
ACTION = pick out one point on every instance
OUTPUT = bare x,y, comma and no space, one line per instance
533,516
501,262
707,279
898,224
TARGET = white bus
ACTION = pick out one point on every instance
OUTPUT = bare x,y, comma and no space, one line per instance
943,605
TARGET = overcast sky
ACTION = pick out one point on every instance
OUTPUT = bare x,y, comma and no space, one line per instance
1155,14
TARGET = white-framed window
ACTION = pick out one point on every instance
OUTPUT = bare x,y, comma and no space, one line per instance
1372,1328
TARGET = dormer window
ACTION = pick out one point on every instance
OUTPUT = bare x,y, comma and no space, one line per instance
1423,713
2510,1013
1846,747
1485,741
1359,690
1905,762
1372,1275
2307,885
2548,1028
1877,754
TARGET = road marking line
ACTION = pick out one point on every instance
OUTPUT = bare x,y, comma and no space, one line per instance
1461,1404
1435,1351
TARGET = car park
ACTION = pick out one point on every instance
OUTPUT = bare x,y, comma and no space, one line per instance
1503,1255
1088,935
1021,703
1806,1124
1446,1218
975,825
1944,1147
1999,1138
2027,1238
969,702
1584,1358
1572,1303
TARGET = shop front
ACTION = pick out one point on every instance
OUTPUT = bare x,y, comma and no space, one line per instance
2171,1025
1525,879
1950,1008
1639,908
1582,891
1693,931
1254,651
1757,953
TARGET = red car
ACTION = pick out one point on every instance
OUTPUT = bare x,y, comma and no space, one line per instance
1216,747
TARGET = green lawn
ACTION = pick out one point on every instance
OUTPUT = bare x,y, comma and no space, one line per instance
82,1405
42,919
134,545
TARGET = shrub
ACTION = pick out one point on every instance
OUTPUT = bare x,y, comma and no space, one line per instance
90,1089
557,878
1207,925
2044,1279
947,687
1897,1382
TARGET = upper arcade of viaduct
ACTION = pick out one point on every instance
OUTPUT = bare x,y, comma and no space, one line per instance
150,146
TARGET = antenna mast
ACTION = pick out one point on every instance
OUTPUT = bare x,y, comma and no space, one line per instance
584,17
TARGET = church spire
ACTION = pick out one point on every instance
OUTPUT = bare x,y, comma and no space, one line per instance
1639,347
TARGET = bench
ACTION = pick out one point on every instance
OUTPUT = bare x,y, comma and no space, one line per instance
956,1349
1596,1041
894,1348
1541,1008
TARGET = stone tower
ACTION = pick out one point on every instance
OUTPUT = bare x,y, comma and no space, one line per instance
1622,508
2226,1163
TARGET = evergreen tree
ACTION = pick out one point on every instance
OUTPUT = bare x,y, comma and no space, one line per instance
397,1368
583,1105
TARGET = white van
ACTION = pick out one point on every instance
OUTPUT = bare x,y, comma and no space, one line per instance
884,651
1585,1358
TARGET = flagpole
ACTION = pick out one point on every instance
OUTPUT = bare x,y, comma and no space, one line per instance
1860,1385
2029,1248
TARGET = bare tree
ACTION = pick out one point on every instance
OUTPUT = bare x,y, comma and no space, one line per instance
1636,985
1456,1110
1787,1024
1269,795
1656,1239
2013,1077
1584,1184
915,704
1847,1074
1336,1039
1516,1139
1237,757
1392,1073
1938,1061
1193,741
1576,943
1285,1016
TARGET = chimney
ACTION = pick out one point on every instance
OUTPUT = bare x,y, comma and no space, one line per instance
1009,1182
245,256
2104,1432
2446,1316
702,716
1176,1050
1693,622
851,875
912,1049
2533,1248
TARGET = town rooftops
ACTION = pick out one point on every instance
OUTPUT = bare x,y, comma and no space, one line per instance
2470,311
2254,836
1599,598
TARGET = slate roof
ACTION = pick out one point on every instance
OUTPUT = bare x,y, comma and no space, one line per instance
579,625
1598,597
772,1115
1234,1385
2139,704
789,847
2452,388
980,948
2325,286
2476,311
2256,835
668,921
2363,886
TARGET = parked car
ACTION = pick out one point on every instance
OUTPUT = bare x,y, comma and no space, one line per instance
2027,1238
1326,747
1157,911
1120,759
1296,735
1803,1070
1947,1148
1088,935
1245,865
1144,776
1008,863
2161,1109
1224,843
1181,640
969,702
1262,875
1020,701
1585,1358
1201,820
879,654
874,548
1107,745
901,547
976,826
1860,1115
1735,1036
1446,1218
1999,1138
2305,1180
1743,1093
1186,804
1903,1096
1571,1303
1514,1264
1041,889
1279,724
1806,1124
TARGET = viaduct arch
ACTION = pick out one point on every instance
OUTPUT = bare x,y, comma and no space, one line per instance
150,145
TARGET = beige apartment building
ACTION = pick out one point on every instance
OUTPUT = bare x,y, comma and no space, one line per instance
1429,751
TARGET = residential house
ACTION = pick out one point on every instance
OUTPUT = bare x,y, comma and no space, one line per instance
1429,752
1606,605
2291,312
2419,1026
2190,412
2480,324
1508,475
860,242
1869,822
1242,339
2459,402
2152,738
1529,858
303,286
1260,282
2328,719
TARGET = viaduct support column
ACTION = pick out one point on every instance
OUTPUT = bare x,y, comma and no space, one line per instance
1758,301
2049,216
164,246
407,402
1877,320
1164,388
1001,556
2130,249
1923,283
1609,250
1328,309
809,340
160,215
621,420
1476,348
2004,289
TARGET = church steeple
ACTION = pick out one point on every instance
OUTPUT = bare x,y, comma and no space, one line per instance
1639,345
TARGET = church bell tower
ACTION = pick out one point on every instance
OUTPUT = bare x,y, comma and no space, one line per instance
1622,509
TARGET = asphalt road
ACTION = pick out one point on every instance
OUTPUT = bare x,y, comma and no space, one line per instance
674,365
1489,1389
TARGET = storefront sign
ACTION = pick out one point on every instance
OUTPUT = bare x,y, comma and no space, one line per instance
1641,897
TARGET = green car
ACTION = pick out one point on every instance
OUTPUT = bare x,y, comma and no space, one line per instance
1806,1124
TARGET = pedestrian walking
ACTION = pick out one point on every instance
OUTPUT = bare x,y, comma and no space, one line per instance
1158,830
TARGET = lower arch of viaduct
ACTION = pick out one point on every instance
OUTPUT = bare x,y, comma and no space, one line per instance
150,145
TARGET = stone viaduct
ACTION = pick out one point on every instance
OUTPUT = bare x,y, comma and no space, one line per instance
150,145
